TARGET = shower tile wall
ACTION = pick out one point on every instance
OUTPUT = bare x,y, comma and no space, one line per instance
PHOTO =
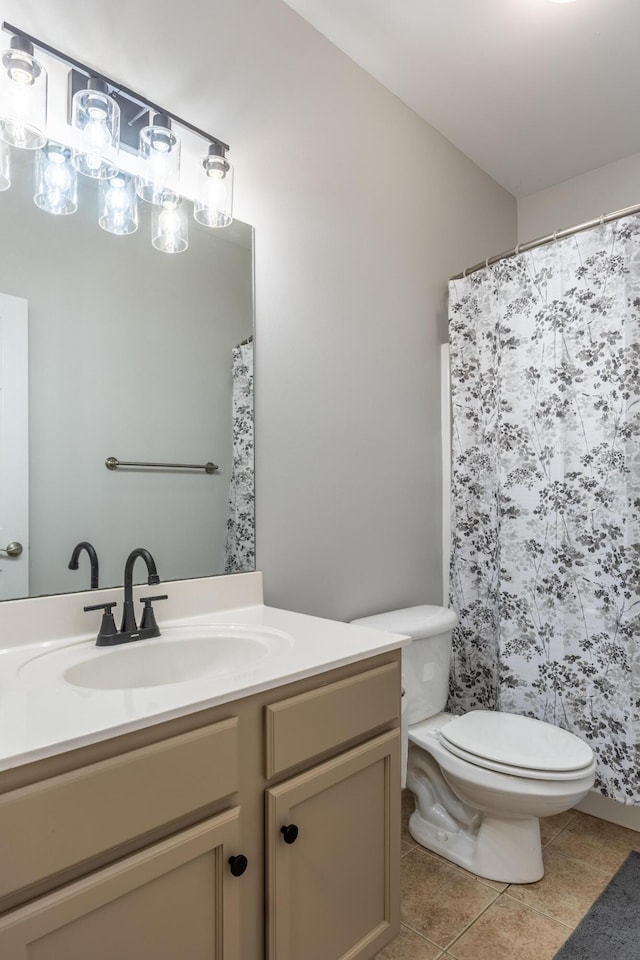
449,913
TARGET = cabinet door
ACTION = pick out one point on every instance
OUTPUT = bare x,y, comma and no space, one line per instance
176,899
333,893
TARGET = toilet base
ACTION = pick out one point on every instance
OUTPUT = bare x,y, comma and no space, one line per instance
501,849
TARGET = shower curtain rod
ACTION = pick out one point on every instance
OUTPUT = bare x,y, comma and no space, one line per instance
540,241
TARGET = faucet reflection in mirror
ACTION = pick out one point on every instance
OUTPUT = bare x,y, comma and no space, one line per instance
107,118
93,560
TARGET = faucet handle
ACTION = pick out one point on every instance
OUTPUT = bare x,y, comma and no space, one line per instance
148,621
108,632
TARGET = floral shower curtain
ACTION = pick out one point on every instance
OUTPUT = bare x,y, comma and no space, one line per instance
240,542
545,566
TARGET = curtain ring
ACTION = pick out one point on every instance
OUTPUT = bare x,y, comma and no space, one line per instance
555,236
486,263
602,219
517,249
464,273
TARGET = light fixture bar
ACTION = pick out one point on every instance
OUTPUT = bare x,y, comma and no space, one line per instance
118,88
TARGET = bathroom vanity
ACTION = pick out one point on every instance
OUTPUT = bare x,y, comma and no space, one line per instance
260,819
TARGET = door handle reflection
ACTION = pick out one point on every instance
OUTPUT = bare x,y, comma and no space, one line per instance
13,549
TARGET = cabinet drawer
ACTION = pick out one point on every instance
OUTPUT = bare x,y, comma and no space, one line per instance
310,724
47,827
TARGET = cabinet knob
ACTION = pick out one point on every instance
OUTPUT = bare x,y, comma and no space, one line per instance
290,833
238,864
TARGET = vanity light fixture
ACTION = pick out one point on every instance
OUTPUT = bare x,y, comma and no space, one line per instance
170,226
118,201
108,120
56,180
159,178
213,203
23,96
95,118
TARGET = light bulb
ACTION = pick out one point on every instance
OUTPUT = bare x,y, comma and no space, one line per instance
23,97
96,140
169,227
57,187
118,205
96,122
213,202
21,71
159,150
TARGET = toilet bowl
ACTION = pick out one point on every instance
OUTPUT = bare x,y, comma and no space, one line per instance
480,781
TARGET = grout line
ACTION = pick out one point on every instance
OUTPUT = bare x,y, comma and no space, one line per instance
543,913
561,830
584,863
443,861
431,943
483,911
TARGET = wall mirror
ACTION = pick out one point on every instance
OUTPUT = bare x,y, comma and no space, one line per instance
130,355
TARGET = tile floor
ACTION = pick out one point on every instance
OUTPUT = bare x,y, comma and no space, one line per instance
450,914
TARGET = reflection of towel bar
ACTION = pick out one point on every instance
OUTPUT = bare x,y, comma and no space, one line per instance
112,463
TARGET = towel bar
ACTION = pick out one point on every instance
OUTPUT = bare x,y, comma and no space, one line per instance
112,463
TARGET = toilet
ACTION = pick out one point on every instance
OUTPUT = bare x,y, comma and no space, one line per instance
480,781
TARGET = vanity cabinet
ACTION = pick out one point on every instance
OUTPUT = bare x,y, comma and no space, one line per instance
332,837
134,847
174,899
331,863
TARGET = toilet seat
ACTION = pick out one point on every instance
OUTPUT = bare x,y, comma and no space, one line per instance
516,745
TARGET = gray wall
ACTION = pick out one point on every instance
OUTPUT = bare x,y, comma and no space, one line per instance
362,212
604,190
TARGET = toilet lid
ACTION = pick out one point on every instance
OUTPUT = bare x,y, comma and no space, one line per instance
514,741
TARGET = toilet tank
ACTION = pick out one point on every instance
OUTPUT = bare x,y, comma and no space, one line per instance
425,662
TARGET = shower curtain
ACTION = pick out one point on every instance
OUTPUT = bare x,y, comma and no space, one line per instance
240,542
545,559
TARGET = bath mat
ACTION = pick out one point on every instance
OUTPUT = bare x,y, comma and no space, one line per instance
611,928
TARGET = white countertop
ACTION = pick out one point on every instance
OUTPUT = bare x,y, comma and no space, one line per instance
41,714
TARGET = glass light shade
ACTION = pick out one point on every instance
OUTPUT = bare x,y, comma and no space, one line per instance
170,227
56,180
23,97
159,153
95,118
5,166
213,204
118,212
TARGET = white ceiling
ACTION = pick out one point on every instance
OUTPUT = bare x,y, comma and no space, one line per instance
534,92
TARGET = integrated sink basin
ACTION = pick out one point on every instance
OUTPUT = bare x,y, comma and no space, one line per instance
181,654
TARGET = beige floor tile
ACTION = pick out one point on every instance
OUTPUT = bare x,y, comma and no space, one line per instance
509,930
439,901
550,827
405,848
409,946
596,842
566,891
494,884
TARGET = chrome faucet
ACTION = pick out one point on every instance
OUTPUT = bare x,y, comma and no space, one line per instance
129,629
93,560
